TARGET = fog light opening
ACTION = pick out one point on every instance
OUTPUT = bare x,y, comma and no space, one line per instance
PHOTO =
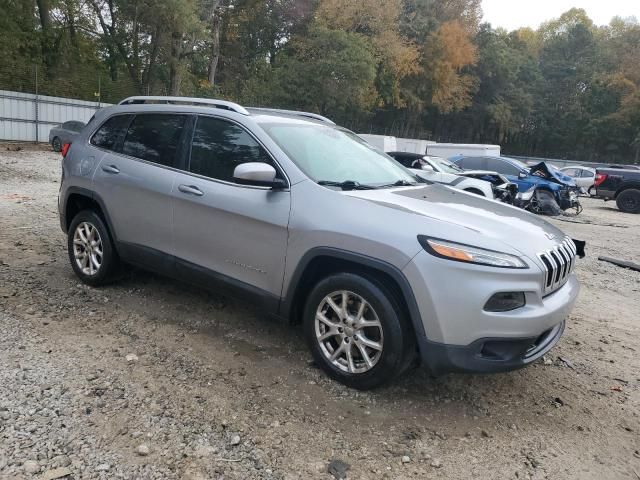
505,302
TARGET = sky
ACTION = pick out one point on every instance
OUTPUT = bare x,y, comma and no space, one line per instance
513,14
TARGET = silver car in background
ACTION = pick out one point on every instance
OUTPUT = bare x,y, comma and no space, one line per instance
583,176
64,133
301,217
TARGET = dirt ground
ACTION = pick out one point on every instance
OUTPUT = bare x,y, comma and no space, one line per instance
151,378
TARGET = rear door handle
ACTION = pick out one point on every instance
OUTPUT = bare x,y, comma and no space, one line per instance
191,190
110,169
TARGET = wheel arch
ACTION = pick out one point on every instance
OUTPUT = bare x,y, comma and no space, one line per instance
475,191
320,262
626,186
78,199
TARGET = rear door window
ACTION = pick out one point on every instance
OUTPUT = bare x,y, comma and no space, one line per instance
110,134
155,137
473,163
503,167
219,146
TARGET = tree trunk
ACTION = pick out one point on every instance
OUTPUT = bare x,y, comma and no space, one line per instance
44,13
175,75
215,46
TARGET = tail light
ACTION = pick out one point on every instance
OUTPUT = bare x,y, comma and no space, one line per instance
65,149
600,177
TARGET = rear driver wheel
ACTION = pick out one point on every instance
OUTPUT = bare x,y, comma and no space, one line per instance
56,144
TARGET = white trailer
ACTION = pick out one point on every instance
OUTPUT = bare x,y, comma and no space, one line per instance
413,145
448,150
382,142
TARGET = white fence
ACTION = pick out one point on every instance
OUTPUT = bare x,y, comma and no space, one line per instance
28,117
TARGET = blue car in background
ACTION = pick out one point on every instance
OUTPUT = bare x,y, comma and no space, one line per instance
541,177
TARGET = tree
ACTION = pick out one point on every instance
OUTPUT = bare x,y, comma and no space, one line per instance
331,72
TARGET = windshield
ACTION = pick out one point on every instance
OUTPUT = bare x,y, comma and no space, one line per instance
445,165
330,154
518,163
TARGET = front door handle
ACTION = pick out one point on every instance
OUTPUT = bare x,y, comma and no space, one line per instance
110,169
191,190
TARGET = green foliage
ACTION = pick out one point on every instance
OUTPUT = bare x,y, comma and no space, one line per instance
422,68
328,71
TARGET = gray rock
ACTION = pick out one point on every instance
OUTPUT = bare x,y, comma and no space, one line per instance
31,467
103,467
56,473
406,459
338,468
235,440
62,461
437,463
142,450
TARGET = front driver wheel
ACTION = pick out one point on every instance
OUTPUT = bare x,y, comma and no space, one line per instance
356,331
91,253
56,144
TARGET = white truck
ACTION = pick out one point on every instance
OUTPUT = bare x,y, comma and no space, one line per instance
448,150
381,142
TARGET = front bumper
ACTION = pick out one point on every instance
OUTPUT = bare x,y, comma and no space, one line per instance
459,335
489,355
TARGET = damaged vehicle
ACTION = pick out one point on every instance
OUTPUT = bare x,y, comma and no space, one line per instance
441,170
542,188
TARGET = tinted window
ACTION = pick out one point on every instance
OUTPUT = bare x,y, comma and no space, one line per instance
154,137
503,167
587,174
111,132
73,126
472,163
408,160
220,146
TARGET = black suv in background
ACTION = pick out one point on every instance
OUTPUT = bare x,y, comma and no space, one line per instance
621,185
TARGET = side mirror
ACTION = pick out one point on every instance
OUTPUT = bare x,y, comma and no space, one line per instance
522,175
258,175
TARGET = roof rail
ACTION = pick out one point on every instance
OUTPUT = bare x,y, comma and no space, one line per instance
234,107
314,116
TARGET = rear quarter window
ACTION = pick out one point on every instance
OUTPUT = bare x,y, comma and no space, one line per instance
110,134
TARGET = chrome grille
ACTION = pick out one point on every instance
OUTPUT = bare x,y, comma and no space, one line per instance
558,263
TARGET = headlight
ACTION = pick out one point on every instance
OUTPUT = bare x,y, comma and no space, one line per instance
468,254
526,195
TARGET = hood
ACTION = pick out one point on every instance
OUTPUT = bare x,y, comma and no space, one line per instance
487,175
475,220
543,170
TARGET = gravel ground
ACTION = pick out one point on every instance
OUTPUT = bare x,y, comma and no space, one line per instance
149,378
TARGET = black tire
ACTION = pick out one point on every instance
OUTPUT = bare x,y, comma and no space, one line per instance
628,200
109,261
56,144
475,191
398,340
591,192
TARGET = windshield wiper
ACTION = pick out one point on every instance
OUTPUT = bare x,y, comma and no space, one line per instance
346,185
399,183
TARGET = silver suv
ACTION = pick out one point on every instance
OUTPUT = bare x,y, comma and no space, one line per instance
382,269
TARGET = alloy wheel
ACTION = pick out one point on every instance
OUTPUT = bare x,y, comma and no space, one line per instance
349,332
87,248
